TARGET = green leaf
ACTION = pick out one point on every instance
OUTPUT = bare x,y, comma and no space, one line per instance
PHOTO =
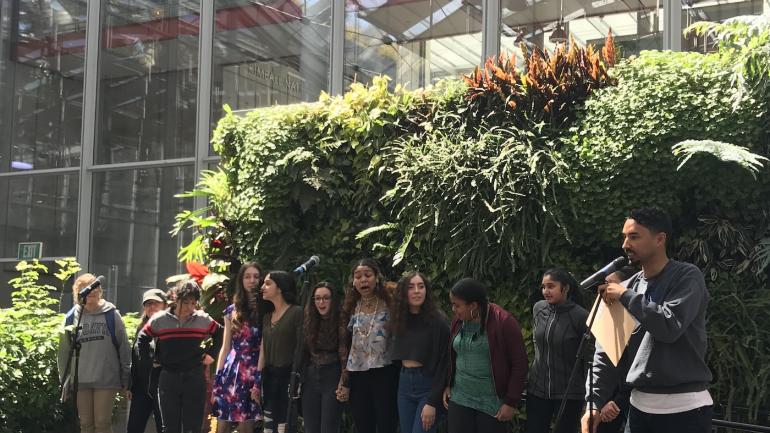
726,152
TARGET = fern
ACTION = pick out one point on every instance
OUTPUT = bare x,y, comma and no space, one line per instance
723,151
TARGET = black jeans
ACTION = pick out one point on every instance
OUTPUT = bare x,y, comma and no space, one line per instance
692,421
275,392
373,399
541,412
182,398
320,409
461,419
142,406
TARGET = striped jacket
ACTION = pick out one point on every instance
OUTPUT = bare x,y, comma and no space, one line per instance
179,346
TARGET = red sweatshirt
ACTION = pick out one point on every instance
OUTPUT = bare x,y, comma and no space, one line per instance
507,354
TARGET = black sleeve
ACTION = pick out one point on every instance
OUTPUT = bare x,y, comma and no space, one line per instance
217,333
606,378
435,397
134,367
622,397
143,340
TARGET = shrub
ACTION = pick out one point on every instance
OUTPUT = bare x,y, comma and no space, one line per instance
549,88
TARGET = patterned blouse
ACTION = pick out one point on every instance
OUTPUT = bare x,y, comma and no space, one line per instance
370,346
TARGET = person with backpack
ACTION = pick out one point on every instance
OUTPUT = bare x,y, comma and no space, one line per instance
559,323
104,364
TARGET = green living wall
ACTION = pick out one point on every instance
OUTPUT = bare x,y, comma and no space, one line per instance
507,173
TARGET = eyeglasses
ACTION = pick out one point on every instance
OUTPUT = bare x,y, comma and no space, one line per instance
319,299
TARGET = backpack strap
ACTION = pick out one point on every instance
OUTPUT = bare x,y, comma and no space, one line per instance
69,318
109,317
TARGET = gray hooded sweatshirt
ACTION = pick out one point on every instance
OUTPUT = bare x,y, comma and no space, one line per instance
101,365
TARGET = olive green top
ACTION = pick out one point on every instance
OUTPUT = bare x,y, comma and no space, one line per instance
280,339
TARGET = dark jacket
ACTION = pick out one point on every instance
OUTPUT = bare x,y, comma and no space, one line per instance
667,351
557,331
144,376
507,354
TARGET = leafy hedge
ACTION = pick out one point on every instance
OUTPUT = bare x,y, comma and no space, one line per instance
420,180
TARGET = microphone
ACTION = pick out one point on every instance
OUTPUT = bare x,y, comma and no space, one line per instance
312,262
601,274
85,291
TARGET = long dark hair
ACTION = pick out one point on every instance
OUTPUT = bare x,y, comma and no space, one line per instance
287,283
428,309
469,291
568,283
313,317
352,296
247,306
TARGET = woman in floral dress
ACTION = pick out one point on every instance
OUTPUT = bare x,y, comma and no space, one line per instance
237,371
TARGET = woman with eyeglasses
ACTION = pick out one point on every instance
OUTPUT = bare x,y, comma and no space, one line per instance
321,410
487,362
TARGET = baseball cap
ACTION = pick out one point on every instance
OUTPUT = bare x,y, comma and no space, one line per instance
154,295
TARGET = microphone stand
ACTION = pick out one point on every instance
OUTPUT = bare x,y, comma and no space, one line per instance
295,382
579,361
74,352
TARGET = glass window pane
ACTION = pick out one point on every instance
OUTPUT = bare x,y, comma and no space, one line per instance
416,43
41,83
636,27
713,10
39,209
130,244
267,53
148,79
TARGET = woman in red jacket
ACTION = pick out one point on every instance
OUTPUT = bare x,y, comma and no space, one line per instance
488,362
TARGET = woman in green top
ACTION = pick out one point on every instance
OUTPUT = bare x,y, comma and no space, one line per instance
488,362
279,339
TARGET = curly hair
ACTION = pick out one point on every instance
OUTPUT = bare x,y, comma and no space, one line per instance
313,317
78,285
428,309
352,296
247,306
188,289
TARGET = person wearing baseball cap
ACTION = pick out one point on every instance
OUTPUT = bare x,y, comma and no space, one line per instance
144,375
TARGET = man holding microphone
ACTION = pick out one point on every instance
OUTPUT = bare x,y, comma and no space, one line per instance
668,374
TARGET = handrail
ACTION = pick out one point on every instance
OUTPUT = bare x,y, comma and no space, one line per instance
740,426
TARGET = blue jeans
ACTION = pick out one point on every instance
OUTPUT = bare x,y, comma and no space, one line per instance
413,389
